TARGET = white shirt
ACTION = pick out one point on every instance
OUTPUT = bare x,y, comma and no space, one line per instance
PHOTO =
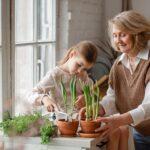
143,110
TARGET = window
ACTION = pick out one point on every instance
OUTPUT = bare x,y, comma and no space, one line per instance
34,44
27,51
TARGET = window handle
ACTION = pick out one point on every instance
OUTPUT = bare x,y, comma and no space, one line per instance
40,69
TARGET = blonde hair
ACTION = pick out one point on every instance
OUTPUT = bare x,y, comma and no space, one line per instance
132,23
86,49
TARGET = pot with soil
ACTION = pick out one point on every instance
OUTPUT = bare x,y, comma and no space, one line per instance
90,124
69,125
67,128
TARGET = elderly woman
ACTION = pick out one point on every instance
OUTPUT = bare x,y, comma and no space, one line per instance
129,80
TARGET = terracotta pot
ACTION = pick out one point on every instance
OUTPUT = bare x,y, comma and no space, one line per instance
68,128
89,126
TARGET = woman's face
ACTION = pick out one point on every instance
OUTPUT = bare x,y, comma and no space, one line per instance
122,40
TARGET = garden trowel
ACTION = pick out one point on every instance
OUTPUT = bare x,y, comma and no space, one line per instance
57,115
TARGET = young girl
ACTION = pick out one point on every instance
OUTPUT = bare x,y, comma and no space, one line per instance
78,59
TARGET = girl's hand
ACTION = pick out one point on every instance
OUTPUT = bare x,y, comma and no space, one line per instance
51,106
80,102
114,122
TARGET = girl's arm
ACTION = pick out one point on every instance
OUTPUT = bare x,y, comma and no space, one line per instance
43,88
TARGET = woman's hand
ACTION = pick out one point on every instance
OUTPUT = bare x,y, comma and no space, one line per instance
80,103
113,122
51,106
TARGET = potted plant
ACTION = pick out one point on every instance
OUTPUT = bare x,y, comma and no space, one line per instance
92,96
69,126
29,125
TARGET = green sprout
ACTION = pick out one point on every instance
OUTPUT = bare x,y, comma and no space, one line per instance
73,91
92,96
64,94
88,100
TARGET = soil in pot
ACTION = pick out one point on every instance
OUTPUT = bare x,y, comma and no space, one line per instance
68,128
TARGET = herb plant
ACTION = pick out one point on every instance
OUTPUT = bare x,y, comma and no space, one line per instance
21,124
47,130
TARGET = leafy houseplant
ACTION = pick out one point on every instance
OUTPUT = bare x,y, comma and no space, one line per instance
68,127
92,96
29,125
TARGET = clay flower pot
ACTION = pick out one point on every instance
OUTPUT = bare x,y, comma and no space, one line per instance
67,128
89,126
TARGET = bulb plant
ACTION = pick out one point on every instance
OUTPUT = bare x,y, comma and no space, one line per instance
72,92
64,94
68,127
95,101
92,96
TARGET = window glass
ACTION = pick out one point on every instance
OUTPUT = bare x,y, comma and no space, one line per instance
45,60
24,21
34,45
46,20
32,63
24,72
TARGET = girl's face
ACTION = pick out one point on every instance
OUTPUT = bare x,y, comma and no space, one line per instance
122,40
78,65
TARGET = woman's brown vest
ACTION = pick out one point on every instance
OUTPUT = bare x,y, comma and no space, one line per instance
130,89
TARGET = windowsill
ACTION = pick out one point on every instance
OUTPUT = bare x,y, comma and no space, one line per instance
55,143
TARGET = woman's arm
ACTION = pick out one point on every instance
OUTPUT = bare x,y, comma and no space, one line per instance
142,111
134,116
